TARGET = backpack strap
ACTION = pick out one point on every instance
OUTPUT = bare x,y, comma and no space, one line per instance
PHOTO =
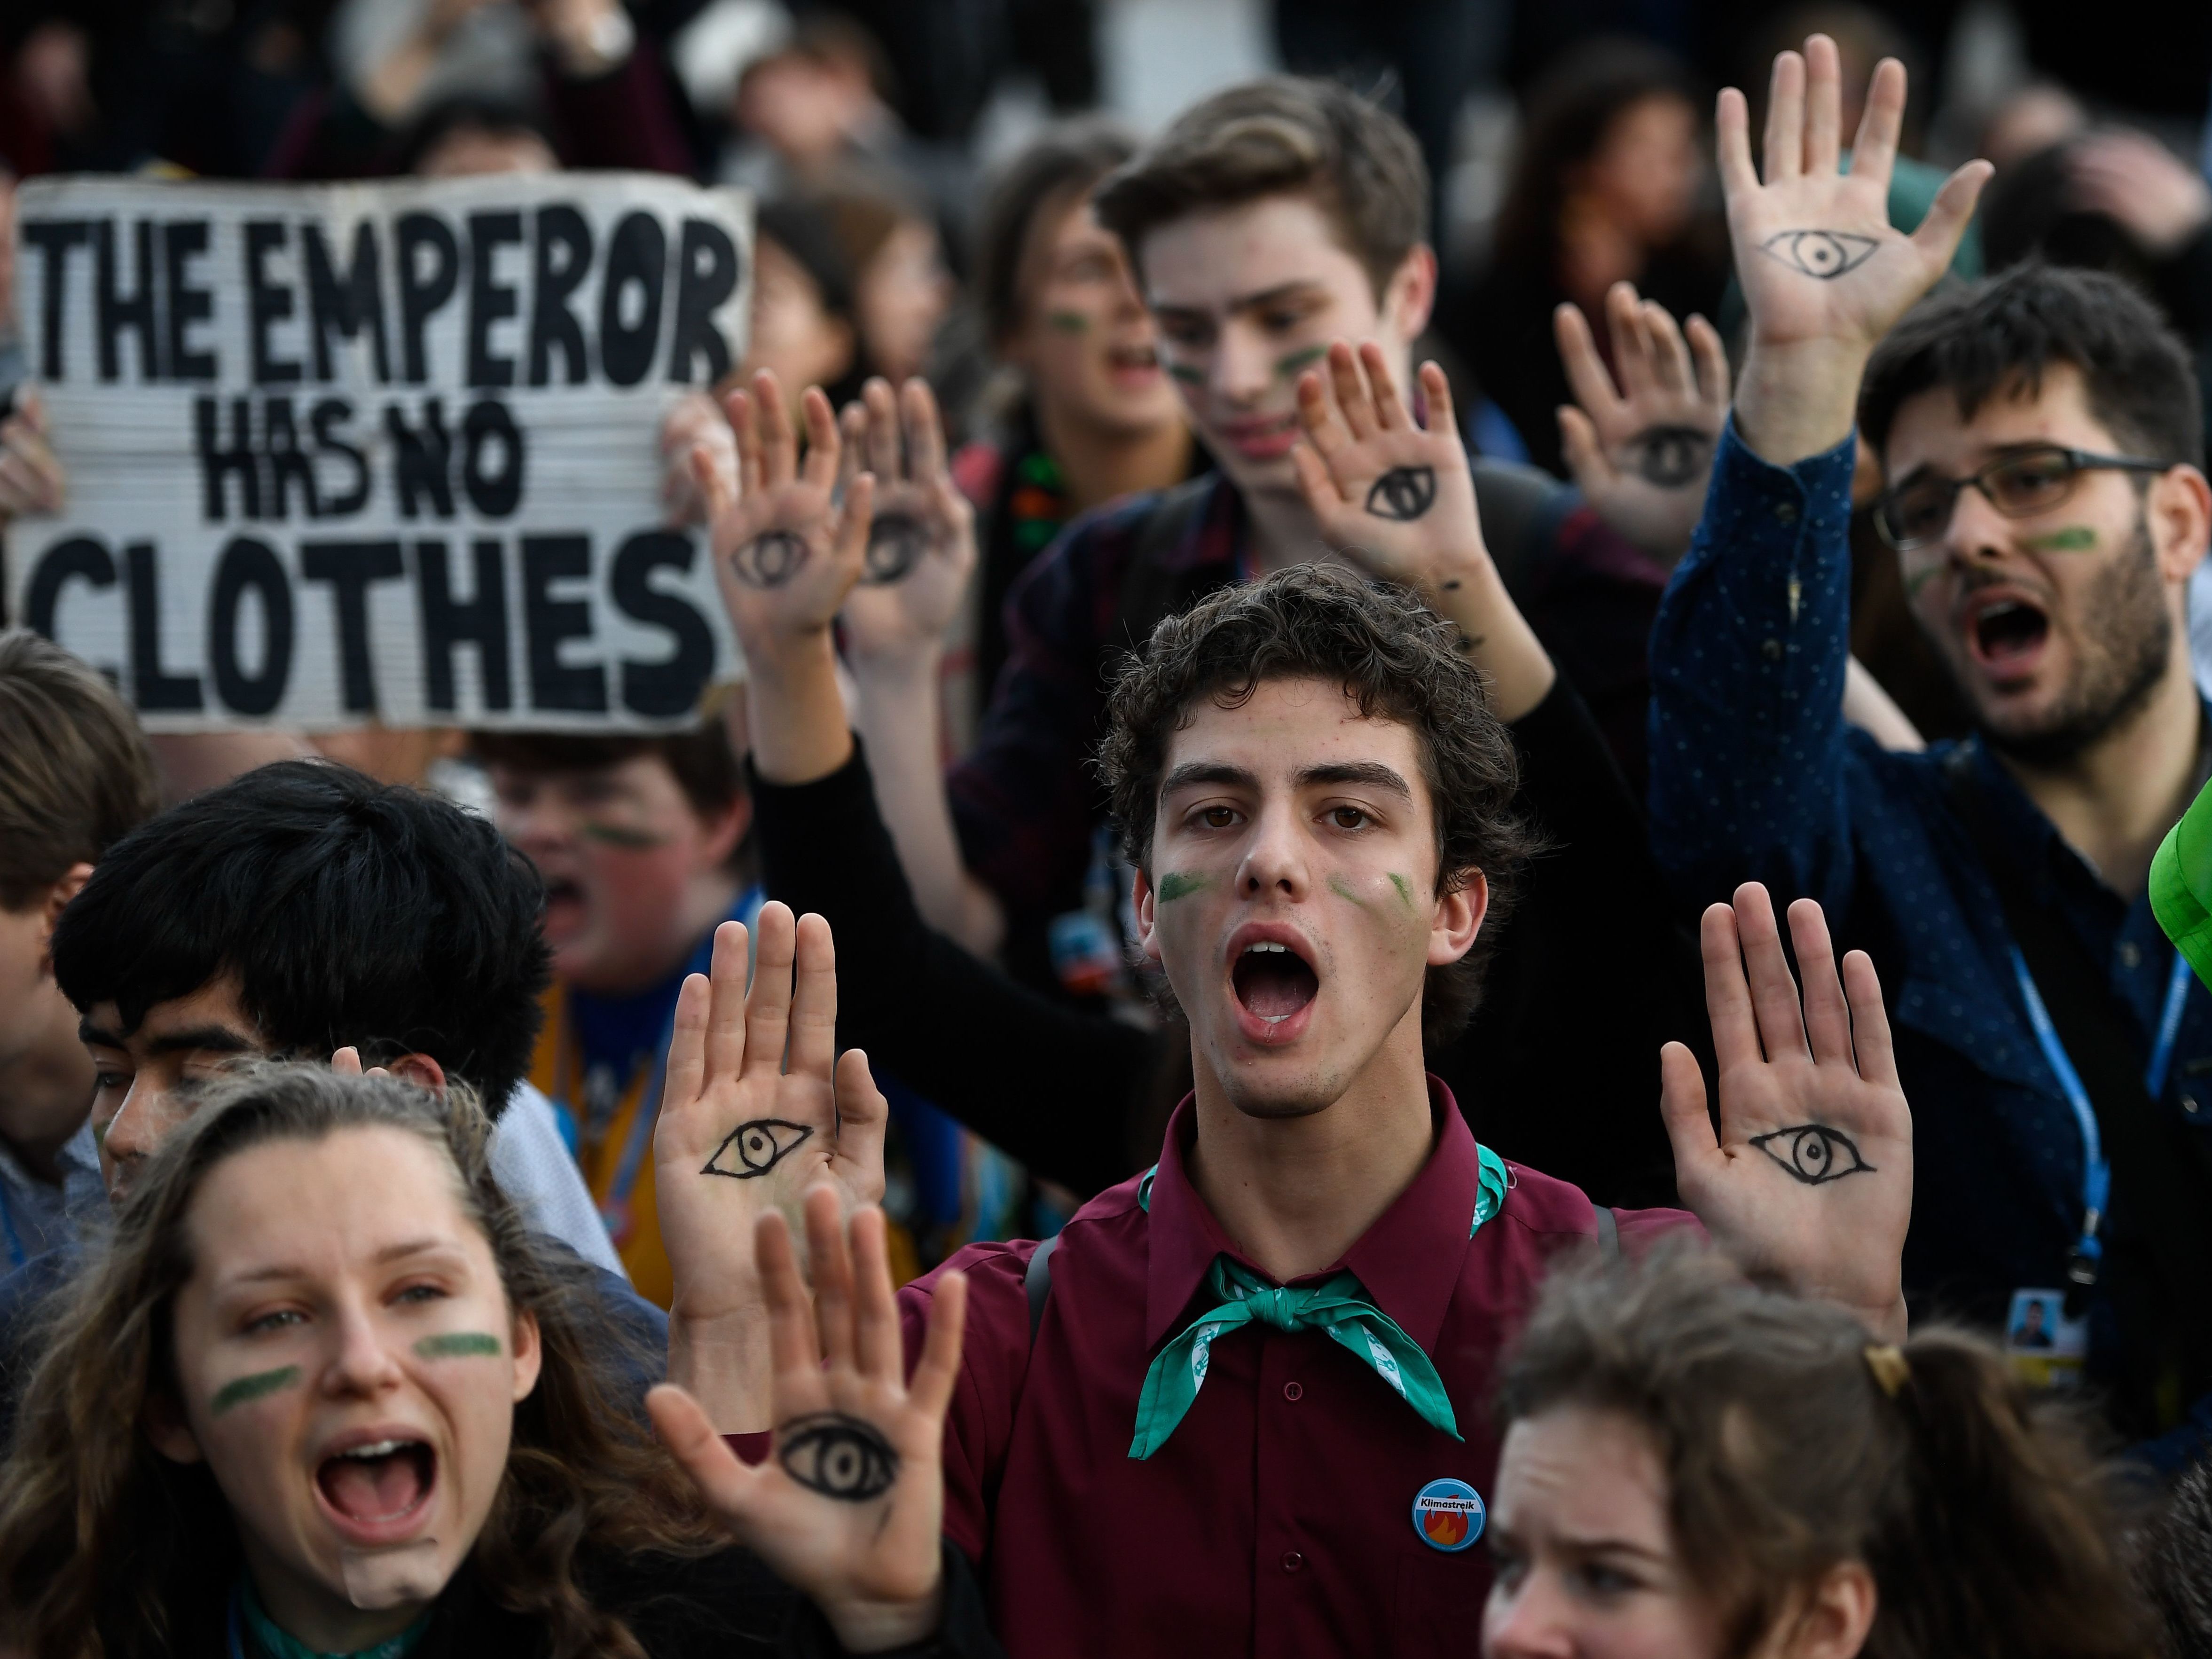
1037,1282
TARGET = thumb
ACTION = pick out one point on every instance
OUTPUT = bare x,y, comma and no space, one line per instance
1585,455
1323,500
1682,1106
1940,231
862,1115
725,1484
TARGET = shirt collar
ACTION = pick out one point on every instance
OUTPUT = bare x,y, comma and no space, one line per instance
1408,1262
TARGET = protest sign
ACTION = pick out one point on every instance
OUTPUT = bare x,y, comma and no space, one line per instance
386,451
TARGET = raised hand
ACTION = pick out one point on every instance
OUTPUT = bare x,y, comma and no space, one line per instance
1810,1181
849,1505
785,553
1643,452
921,549
745,1132
32,477
1395,497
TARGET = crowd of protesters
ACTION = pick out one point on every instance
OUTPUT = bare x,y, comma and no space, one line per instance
1495,923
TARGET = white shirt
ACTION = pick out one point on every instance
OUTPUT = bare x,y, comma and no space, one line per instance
535,1168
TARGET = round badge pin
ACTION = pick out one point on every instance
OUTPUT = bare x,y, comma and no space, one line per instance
1448,1515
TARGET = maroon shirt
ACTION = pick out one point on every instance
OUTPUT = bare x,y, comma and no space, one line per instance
1278,1519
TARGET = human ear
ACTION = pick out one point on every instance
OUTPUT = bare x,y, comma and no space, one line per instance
2179,508
166,1428
423,1072
57,897
724,830
1411,294
1830,1620
529,1353
1140,894
1458,919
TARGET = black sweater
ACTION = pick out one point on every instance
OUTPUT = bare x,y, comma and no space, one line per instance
1559,1070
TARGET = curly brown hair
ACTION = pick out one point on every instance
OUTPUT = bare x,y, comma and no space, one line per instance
1398,661
104,1544
1989,1529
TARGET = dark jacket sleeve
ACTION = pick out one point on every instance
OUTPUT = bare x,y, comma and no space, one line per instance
965,1633
1053,1087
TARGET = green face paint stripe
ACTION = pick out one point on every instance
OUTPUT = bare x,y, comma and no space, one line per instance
1173,885
1186,374
1298,362
459,1345
245,1389
1405,888
2075,539
1067,322
611,835
1343,889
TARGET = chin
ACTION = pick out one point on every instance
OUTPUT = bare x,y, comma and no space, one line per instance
1277,1086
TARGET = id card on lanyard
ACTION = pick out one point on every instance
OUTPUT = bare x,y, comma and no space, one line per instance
2046,1330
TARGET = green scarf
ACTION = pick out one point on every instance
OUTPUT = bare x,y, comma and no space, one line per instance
1337,1307
272,1643
2181,885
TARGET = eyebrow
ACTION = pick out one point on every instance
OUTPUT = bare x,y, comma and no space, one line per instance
215,1039
1267,296
1373,774
1191,774
389,1253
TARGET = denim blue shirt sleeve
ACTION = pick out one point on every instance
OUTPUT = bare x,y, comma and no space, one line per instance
1748,655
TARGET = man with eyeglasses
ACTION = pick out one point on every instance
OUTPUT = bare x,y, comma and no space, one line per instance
2040,436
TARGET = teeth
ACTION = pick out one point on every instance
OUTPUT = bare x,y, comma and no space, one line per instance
1267,944
375,1449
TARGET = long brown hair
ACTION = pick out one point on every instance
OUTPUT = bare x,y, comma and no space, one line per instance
104,1543
1983,1518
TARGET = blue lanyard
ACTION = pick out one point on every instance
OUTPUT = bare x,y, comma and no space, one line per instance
2097,1172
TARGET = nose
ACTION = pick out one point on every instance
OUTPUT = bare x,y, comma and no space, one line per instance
362,1365
141,1123
1977,530
1529,1621
1275,857
1241,365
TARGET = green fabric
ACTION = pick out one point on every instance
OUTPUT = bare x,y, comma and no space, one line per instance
1337,1307
2181,885
273,1643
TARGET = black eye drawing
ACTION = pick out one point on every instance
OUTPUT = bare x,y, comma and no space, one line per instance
1670,456
1826,254
896,542
1403,493
1814,1154
770,560
755,1148
837,1456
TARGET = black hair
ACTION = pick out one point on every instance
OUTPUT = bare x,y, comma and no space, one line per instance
1980,339
2175,1567
468,112
349,912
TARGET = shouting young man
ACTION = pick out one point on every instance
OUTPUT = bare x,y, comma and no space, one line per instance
2040,436
1240,1405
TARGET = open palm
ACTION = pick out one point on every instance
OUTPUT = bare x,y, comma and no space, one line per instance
1814,249
922,550
1810,1179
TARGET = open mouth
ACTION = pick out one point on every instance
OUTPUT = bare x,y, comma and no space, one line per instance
2007,633
1272,981
379,1485
1139,359
1266,440
564,901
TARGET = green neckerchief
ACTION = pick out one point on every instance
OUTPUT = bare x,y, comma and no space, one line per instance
1337,1307
272,1643
2181,884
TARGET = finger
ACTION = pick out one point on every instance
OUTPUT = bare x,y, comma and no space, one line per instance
1317,483
930,1389
1436,391
822,448
1710,356
1592,383
1632,352
1586,458
925,432
772,420
1870,1038
685,1429
883,458
1732,144
1773,990
346,1061
833,1278
814,1001
863,1115
795,1350
685,1078
1827,1016
31,404
713,485
1351,400
852,442
1682,1107
1669,356
768,1007
1874,151
1727,997
849,550
724,1046
1784,149
1946,220
1389,411
1824,101
745,428
1324,427
876,1344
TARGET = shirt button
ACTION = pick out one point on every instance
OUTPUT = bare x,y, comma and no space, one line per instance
2190,1105
2130,955
1293,1562
1785,511
1294,1390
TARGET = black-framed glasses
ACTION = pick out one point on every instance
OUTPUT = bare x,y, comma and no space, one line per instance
2020,485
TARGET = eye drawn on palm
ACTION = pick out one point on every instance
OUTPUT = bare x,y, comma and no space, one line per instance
1810,1178
848,1507
1642,451
758,1107
786,552
921,550
1814,249
1395,497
